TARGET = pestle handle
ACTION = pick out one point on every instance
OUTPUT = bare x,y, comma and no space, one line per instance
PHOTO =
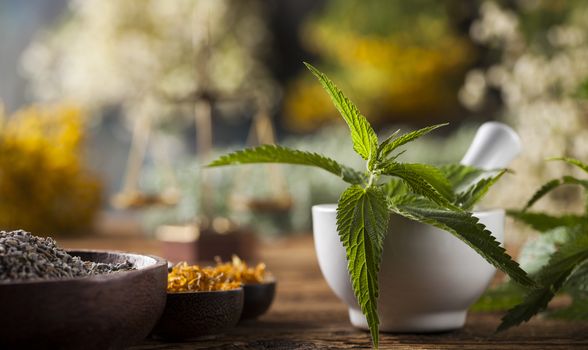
494,146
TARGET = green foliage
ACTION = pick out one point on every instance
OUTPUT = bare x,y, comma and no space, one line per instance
365,140
542,191
470,184
476,191
558,260
553,184
393,142
544,222
362,221
573,161
425,180
461,176
420,192
280,154
551,278
467,228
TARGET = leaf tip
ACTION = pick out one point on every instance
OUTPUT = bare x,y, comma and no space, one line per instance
310,66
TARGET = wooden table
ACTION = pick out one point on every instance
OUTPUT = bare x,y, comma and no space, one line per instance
307,315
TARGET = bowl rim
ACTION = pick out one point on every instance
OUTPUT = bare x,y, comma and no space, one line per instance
478,211
269,280
100,278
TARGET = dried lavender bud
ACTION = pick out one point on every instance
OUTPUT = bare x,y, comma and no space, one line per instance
26,257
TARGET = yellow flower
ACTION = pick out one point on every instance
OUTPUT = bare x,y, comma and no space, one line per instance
45,187
390,77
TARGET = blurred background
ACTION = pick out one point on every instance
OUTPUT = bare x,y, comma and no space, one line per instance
110,108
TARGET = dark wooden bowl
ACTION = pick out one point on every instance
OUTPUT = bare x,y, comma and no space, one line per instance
258,299
109,311
190,315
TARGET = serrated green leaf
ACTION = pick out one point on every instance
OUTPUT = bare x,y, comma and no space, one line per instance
467,228
563,262
535,253
542,191
544,222
553,184
535,301
575,286
387,141
461,176
477,191
395,188
577,283
572,161
362,221
425,180
365,140
391,143
570,180
551,278
280,154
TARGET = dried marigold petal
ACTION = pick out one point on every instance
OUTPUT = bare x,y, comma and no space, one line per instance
223,276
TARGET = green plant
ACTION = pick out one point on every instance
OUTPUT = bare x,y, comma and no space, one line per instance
421,192
558,261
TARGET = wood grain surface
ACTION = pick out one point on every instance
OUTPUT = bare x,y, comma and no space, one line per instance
307,315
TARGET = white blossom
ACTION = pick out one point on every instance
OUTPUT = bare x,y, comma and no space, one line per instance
135,52
538,89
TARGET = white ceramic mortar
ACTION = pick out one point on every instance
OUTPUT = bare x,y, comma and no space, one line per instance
428,278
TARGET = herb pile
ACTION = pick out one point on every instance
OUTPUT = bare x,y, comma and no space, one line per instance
223,276
557,260
27,257
436,196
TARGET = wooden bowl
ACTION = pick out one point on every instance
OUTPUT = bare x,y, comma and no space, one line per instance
190,315
108,311
258,298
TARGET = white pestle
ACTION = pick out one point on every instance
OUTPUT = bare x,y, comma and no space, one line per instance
494,146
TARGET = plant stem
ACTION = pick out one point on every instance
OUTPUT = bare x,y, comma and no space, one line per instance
372,179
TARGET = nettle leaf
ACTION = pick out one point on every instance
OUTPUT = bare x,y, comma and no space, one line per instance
362,221
467,228
472,195
553,184
395,188
365,140
573,161
545,222
385,144
393,142
577,287
535,253
535,301
425,180
461,176
280,154
542,191
577,283
551,278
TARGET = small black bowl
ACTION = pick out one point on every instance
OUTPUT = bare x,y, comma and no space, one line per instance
190,315
258,298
